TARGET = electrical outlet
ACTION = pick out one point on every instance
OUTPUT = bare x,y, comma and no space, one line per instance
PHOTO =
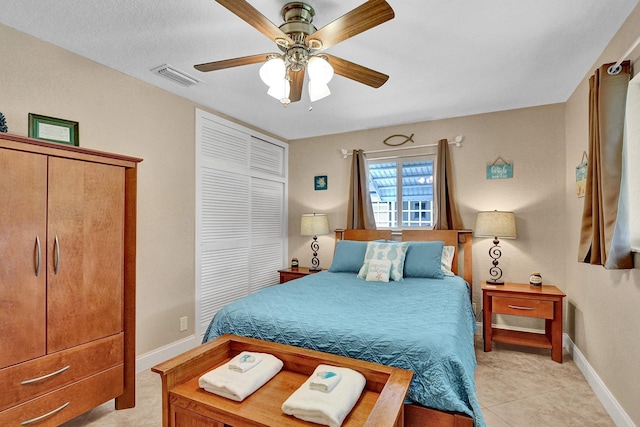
475,311
184,324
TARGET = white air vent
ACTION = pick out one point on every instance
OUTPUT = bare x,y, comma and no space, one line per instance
175,75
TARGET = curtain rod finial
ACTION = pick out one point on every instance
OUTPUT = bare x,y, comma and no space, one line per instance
345,153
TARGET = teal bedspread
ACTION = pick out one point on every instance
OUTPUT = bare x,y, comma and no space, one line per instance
423,325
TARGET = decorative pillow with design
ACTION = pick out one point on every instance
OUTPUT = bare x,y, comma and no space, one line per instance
394,252
348,256
424,259
379,270
447,260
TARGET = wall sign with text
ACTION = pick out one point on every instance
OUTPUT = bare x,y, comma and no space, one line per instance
504,171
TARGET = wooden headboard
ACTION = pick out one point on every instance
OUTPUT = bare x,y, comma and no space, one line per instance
461,239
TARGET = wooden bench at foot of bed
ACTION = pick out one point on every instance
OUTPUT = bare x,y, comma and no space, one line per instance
184,403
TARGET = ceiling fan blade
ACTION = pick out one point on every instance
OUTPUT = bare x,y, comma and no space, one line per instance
235,62
356,72
297,80
360,19
253,17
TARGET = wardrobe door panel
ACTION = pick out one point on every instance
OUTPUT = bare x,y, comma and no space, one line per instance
23,213
86,252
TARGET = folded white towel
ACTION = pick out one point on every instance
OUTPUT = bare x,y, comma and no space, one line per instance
236,385
325,381
244,361
328,409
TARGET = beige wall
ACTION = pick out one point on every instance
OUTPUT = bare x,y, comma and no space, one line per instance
531,139
603,316
120,114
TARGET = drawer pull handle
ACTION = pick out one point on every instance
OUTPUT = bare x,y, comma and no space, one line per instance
44,377
48,414
519,307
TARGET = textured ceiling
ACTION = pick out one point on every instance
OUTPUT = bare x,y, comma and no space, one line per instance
444,58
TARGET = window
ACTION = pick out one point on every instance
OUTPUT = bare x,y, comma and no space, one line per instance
405,202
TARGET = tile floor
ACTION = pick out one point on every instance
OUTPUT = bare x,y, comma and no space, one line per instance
516,387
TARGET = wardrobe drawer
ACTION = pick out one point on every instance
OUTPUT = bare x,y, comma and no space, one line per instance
68,402
523,307
27,380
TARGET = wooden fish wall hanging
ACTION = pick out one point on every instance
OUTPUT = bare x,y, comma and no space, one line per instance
399,140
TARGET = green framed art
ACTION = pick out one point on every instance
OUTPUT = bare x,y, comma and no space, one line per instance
320,182
53,130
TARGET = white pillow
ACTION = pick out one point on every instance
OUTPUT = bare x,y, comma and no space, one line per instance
394,252
447,260
379,270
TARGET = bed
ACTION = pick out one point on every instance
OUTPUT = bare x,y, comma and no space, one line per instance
423,322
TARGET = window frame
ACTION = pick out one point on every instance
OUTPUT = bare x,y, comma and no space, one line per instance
399,210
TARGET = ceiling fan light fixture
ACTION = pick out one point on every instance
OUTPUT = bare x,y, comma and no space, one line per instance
273,71
318,90
280,90
319,69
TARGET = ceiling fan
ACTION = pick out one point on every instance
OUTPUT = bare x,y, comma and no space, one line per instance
302,48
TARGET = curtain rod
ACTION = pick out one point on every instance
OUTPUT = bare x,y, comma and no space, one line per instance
457,141
616,68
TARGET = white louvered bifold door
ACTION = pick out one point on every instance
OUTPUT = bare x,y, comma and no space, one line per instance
241,214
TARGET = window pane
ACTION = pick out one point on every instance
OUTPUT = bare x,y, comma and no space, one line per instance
383,185
415,190
417,193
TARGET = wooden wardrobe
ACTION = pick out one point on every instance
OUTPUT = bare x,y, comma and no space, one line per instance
67,281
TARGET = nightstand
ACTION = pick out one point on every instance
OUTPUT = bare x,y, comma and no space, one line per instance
287,274
520,299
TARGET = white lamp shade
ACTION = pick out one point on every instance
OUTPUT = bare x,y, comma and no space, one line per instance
280,90
273,71
314,224
496,224
318,90
319,70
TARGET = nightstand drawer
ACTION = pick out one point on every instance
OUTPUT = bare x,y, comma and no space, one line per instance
286,277
288,274
523,307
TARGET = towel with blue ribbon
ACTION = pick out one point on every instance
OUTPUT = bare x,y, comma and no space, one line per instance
241,376
324,398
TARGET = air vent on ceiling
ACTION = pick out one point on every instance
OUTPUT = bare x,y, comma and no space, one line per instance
175,75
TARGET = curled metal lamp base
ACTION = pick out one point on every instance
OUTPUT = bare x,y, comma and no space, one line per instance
495,271
315,262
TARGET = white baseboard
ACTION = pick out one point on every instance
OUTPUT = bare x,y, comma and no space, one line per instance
148,360
616,412
611,405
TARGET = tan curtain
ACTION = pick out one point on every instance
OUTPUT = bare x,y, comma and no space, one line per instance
447,217
359,211
603,240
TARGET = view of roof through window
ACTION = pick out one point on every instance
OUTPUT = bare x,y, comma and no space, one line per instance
415,187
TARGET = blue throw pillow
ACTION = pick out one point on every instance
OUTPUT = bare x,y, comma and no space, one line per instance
424,259
348,256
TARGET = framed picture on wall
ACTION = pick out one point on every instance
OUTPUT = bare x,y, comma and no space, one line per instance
320,182
53,130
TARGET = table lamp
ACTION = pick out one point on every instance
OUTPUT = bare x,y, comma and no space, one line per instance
496,224
314,225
